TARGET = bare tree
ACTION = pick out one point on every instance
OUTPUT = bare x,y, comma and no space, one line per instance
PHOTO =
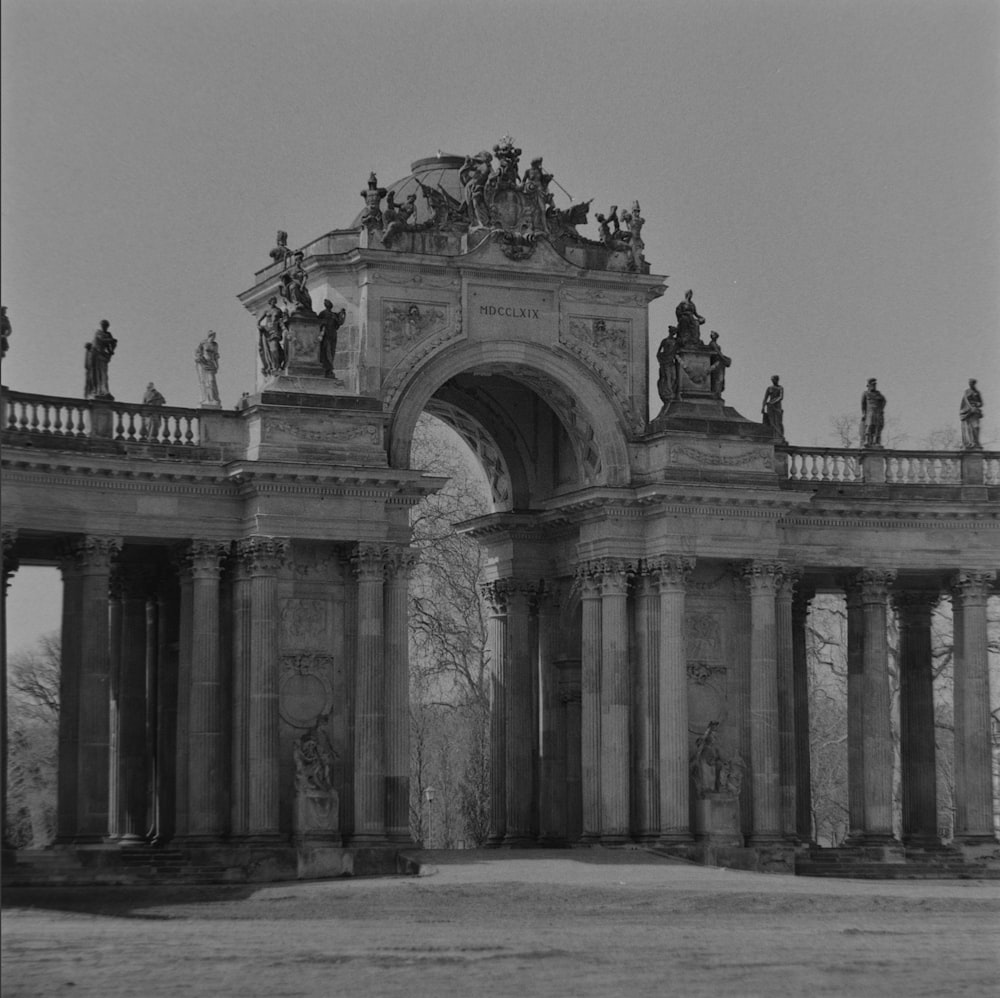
32,731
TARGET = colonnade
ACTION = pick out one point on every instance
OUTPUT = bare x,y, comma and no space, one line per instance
626,732
169,692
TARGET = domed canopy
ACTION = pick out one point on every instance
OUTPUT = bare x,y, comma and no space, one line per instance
438,172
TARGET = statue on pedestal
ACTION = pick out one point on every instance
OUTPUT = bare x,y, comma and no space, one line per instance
271,338
371,218
872,415
329,327
666,357
206,361
970,413
317,804
771,408
689,322
98,355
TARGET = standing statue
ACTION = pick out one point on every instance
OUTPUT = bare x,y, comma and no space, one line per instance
717,365
297,289
98,355
666,356
872,415
473,175
772,409
970,412
206,361
689,322
271,337
151,421
281,252
329,327
371,217
5,329
634,222
536,184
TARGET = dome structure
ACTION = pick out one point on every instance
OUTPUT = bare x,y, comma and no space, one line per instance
439,173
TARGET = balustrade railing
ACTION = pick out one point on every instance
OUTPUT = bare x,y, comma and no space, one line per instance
125,422
890,467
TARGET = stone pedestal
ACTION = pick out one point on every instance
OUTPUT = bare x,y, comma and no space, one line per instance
717,820
317,818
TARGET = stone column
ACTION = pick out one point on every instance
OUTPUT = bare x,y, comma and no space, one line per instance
569,696
71,639
589,578
207,785
521,723
168,652
495,596
855,712
670,575
255,687
88,760
615,705
800,702
765,741
646,708
973,780
916,716
129,705
877,737
397,696
786,703
152,670
369,705
552,762
10,565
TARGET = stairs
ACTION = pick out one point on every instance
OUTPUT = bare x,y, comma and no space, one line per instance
898,862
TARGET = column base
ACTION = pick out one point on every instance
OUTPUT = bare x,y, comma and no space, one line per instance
493,842
589,839
368,840
977,840
669,839
516,841
616,840
766,839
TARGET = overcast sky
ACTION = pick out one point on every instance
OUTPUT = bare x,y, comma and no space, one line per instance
824,175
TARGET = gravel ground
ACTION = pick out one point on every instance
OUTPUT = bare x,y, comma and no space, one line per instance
580,923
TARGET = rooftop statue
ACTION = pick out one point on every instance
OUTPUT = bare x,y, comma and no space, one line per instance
474,174
397,216
98,356
970,413
872,415
633,223
508,155
297,288
206,361
151,421
771,408
717,365
373,194
5,329
271,337
666,356
689,322
281,252
329,327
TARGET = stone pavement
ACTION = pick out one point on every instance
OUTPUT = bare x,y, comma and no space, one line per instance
577,923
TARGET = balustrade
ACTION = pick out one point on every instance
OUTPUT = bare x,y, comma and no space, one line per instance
73,418
894,467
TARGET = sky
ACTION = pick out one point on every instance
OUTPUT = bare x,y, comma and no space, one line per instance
823,175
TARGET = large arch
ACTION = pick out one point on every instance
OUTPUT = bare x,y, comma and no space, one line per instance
591,420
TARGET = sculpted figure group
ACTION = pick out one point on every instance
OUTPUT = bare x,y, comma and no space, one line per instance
686,362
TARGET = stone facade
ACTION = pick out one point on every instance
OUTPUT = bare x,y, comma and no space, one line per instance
648,584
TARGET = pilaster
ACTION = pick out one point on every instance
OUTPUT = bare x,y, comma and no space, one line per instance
786,702
495,596
645,682
973,772
369,704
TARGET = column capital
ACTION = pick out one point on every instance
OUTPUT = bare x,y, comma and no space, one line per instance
788,583
368,561
201,558
93,552
670,573
874,584
762,577
615,576
587,578
259,555
400,561
972,585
